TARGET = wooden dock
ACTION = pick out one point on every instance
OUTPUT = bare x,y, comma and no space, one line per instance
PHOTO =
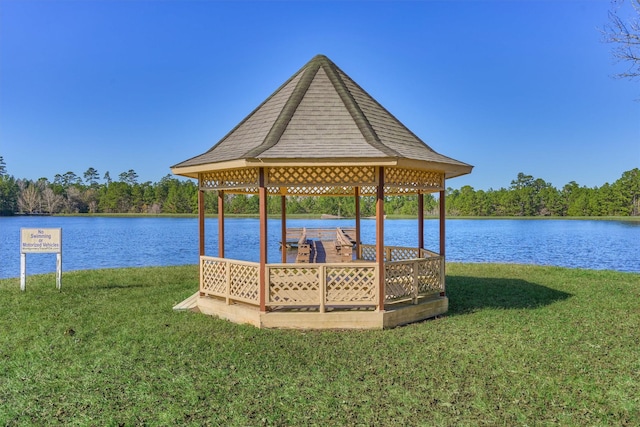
326,245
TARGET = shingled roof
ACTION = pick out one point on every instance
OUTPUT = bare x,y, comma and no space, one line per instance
320,115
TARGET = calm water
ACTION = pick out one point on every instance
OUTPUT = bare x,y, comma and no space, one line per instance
94,242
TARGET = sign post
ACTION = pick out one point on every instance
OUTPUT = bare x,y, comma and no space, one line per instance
42,241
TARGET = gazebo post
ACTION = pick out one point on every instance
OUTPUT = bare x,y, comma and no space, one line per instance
283,211
420,220
220,224
442,237
262,194
357,203
442,217
201,221
380,237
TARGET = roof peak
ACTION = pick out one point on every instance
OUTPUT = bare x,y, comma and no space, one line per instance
319,115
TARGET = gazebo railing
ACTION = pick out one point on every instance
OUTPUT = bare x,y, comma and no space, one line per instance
230,279
322,285
409,274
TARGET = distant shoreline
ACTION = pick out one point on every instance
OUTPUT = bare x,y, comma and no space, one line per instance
318,217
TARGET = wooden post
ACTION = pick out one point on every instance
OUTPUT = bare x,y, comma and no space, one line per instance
283,211
23,271
323,286
220,224
442,218
442,240
380,237
201,221
262,194
357,200
420,220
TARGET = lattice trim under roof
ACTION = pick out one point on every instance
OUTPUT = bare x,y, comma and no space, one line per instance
323,181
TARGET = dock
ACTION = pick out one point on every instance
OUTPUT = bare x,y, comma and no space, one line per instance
320,245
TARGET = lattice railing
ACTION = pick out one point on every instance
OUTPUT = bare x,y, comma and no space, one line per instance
346,285
409,272
412,279
367,253
290,284
317,286
430,279
393,253
230,279
322,285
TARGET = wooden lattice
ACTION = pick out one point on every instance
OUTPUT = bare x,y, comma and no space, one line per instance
323,180
318,191
399,253
294,285
350,284
429,280
410,180
241,180
213,277
235,280
299,176
244,282
367,252
399,280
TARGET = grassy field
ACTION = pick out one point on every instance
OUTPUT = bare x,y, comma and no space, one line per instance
520,346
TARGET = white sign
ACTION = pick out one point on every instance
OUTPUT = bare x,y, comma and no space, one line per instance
43,241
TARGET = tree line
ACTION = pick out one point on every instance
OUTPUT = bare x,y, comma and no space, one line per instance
95,193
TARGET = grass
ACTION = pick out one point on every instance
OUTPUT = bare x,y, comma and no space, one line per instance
521,345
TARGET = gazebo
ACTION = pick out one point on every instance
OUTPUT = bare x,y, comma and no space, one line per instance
320,134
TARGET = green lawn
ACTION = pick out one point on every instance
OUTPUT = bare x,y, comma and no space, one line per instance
519,346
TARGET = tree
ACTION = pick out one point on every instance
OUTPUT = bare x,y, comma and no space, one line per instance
628,191
3,167
50,200
8,195
91,177
624,33
29,200
130,177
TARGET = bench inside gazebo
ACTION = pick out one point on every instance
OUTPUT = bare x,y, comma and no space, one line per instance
320,134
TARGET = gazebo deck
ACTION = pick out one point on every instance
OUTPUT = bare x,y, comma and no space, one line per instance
341,295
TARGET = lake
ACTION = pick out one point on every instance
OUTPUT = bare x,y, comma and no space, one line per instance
105,242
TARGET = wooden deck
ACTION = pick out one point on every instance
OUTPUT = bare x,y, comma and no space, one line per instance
318,295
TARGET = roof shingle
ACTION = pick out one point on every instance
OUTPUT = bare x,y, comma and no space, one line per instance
321,113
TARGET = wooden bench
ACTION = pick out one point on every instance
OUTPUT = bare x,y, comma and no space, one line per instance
344,246
304,248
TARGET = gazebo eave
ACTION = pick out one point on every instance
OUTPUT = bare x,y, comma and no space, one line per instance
449,170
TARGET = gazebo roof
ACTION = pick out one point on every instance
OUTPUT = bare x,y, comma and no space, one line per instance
320,116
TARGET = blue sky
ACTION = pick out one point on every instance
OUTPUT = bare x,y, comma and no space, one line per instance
503,85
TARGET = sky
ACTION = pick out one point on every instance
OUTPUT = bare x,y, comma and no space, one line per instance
507,86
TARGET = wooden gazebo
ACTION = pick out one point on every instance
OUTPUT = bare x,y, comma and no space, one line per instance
320,134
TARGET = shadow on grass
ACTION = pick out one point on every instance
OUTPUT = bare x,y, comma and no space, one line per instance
469,294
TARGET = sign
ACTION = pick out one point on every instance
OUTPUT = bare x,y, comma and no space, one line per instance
42,241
